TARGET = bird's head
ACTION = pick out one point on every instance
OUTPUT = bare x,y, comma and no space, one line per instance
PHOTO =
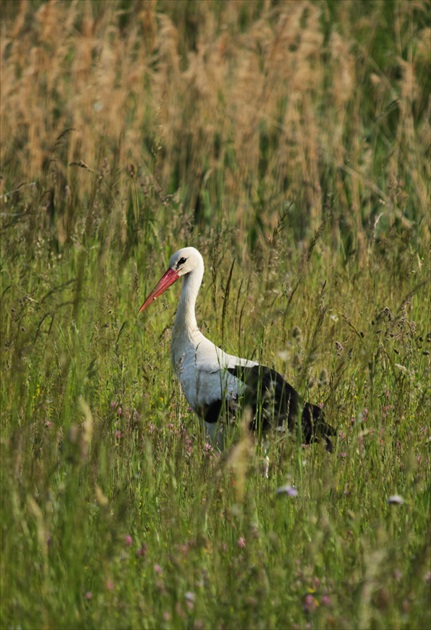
183,262
186,260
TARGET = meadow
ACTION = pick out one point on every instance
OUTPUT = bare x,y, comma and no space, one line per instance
289,142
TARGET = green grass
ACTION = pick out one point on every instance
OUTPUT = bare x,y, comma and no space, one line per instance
314,200
98,446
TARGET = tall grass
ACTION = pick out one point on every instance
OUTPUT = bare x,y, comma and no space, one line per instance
289,142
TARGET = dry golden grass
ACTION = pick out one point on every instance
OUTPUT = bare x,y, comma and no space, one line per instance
237,109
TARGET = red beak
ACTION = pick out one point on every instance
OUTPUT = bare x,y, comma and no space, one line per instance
164,283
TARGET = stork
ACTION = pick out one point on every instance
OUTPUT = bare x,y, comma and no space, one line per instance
220,386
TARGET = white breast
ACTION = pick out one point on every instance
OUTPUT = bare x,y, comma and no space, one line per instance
201,368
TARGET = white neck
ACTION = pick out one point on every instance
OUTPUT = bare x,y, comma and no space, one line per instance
185,320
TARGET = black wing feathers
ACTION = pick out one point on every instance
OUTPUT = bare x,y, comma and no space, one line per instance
275,403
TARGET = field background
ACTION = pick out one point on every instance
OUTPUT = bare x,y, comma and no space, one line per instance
290,143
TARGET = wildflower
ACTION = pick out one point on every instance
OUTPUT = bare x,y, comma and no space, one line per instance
326,600
118,435
395,499
343,454
114,405
141,551
48,424
310,603
88,595
190,598
167,615
158,569
128,540
241,542
110,586
290,491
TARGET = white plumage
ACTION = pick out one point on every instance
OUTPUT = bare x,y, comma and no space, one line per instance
217,384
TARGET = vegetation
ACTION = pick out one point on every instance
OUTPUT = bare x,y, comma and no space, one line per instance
290,143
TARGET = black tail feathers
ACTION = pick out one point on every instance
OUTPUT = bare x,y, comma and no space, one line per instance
275,403
315,427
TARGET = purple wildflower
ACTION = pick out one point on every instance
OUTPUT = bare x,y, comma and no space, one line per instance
288,490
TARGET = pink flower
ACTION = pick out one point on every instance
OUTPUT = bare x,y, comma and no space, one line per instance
241,542
326,600
88,595
128,540
158,569
310,604
118,435
110,586
141,551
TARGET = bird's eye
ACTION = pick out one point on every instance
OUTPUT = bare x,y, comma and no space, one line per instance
181,262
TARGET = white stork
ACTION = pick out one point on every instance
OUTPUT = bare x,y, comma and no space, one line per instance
218,385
